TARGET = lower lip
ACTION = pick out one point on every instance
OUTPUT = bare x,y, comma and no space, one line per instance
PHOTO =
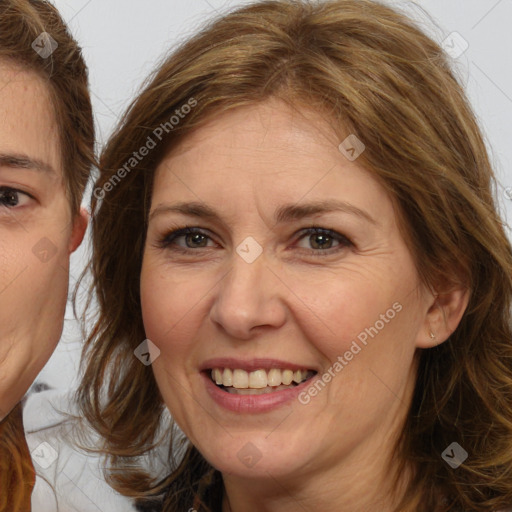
253,403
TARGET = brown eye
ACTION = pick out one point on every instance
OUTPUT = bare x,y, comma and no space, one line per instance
10,197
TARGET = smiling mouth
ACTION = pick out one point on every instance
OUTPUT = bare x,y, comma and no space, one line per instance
258,382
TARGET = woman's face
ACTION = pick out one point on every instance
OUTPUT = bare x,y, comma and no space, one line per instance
36,233
293,266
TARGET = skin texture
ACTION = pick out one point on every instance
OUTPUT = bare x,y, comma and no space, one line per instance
296,302
37,233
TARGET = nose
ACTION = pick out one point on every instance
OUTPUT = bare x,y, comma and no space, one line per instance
249,298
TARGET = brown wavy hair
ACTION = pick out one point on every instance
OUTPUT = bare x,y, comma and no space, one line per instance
66,78
373,72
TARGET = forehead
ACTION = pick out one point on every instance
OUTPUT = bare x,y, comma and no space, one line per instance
29,127
268,152
268,125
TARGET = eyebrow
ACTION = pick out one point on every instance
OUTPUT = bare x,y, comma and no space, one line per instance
17,161
283,214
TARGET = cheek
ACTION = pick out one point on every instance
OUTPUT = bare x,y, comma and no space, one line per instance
369,324
169,307
34,276
336,313
169,322
34,288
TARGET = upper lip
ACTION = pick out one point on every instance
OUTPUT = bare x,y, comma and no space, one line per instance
251,365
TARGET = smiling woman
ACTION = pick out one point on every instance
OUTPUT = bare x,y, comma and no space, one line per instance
320,225
46,154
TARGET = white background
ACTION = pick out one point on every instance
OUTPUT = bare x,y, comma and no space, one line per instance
123,40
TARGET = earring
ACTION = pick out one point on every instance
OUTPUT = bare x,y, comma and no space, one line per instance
432,336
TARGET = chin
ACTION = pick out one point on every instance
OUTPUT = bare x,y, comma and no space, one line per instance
253,459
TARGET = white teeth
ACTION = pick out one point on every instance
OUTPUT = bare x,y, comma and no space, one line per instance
227,377
258,379
274,377
287,377
240,379
217,376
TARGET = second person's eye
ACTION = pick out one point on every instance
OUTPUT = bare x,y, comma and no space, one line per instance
13,198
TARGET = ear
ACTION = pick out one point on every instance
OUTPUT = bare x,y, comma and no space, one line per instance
443,316
79,227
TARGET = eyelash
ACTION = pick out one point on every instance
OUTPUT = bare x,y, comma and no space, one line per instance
167,240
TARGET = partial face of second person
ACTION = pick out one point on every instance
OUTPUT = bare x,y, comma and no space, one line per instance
38,232
293,252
